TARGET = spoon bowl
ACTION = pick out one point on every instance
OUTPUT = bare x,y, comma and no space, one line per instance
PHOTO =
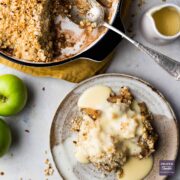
94,14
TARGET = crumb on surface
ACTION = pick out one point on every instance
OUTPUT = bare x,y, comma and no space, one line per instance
46,161
48,171
26,130
2,173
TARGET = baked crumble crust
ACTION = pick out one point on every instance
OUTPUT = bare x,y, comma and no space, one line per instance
28,30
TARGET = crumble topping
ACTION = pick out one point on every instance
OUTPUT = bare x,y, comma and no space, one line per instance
118,127
49,171
29,31
25,29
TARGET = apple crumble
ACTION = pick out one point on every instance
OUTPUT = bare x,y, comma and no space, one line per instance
25,29
30,30
111,128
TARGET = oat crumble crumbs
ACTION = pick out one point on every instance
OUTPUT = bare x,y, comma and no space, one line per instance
28,30
25,29
49,171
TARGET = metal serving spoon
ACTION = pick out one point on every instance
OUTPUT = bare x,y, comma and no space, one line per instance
96,15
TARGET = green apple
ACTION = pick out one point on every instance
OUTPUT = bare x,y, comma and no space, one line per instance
5,137
13,95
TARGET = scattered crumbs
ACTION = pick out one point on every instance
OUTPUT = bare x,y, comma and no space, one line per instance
49,171
46,161
43,88
27,131
2,173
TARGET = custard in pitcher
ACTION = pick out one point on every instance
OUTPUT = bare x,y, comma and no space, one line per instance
167,21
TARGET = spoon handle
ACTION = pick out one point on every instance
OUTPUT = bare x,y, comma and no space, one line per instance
168,64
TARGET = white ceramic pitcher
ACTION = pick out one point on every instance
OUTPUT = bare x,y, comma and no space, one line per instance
150,30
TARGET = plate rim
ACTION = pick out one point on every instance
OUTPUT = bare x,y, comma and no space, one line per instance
155,90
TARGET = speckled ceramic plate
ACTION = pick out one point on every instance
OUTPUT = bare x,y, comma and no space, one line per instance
61,136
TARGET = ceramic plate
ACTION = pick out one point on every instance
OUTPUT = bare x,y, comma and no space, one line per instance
61,136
